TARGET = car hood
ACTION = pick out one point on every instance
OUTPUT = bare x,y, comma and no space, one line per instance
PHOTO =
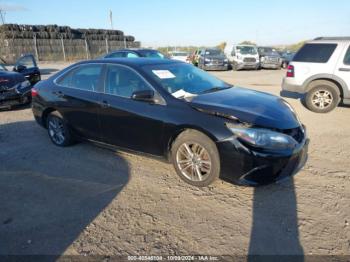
253,107
10,79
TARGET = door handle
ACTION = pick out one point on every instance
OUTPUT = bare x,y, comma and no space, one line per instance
104,104
59,94
342,69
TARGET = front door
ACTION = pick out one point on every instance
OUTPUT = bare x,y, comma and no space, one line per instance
125,122
26,65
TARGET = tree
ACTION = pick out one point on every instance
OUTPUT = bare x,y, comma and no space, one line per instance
247,43
297,46
222,46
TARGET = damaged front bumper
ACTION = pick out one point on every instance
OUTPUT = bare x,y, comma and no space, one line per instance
245,166
13,97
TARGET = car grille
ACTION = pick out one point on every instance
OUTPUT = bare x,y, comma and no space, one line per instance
249,60
273,59
297,133
216,62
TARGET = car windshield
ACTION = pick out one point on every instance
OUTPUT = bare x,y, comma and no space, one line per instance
152,54
184,79
268,50
247,50
213,52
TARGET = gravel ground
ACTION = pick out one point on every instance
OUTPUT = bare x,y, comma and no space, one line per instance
88,200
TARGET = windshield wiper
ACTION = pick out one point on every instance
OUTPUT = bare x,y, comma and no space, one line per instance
214,89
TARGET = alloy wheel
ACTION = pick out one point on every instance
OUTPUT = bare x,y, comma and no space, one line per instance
193,161
56,130
322,99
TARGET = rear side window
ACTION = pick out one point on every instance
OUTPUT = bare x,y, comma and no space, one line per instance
85,77
315,53
132,55
116,55
347,57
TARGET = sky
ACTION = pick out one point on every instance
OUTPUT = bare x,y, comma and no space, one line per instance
192,22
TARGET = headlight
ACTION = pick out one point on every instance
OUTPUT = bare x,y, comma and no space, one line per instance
239,57
262,59
263,138
207,60
226,60
24,84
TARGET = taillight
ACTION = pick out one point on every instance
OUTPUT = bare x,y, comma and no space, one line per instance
290,71
34,92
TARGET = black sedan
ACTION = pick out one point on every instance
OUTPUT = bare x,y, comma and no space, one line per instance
205,127
15,86
213,59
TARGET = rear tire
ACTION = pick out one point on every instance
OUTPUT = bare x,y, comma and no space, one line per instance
195,158
58,130
323,96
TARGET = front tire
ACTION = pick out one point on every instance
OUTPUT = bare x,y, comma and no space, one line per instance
323,97
195,158
58,130
234,66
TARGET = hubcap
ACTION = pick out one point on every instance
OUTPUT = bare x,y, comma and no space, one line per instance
56,130
193,161
322,99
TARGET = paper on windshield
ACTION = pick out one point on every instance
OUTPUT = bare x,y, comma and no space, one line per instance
182,94
163,74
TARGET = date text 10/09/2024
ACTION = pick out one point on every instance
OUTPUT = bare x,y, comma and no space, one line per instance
173,258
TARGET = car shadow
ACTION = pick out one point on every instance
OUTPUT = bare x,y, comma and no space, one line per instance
275,224
50,195
16,108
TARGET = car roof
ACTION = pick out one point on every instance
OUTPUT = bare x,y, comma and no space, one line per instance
330,40
133,62
336,38
132,49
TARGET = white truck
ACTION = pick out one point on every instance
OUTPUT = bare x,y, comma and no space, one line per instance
243,56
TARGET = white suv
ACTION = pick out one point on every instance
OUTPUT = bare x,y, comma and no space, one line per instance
321,71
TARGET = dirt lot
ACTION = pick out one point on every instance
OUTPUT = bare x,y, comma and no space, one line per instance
88,200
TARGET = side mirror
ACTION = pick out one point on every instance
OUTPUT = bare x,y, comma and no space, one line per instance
144,95
19,68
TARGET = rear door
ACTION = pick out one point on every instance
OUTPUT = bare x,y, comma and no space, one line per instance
343,68
77,95
26,65
125,122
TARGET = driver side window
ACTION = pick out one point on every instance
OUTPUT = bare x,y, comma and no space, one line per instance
122,81
27,61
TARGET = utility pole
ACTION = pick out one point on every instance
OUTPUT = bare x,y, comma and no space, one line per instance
111,19
2,16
